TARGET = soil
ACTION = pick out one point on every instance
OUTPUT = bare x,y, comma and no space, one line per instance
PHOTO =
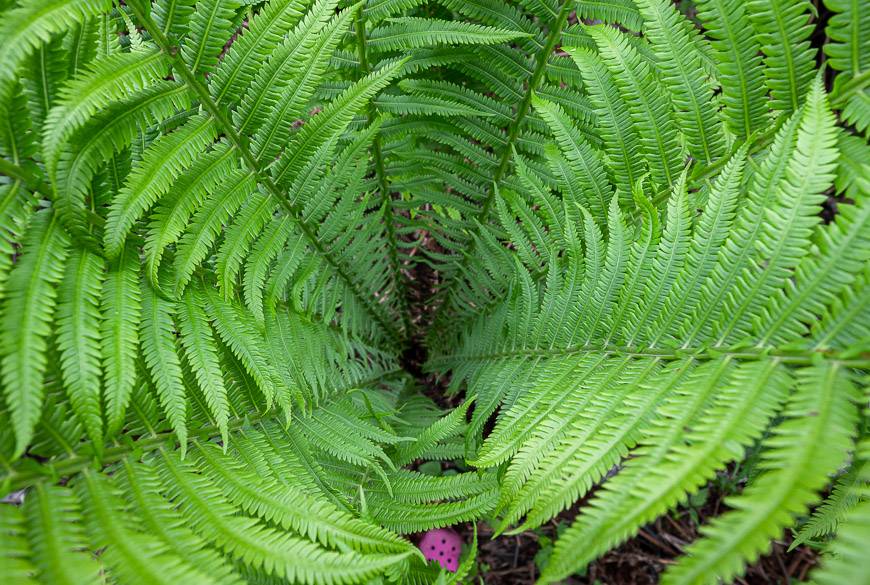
511,560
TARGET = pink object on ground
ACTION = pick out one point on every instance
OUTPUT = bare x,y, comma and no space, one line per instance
444,546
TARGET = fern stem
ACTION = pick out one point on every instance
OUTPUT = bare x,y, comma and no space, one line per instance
759,143
854,85
15,479
34,182
383,184
793,357
513,131
240,144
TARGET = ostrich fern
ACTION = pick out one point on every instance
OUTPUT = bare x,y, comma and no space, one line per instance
208,214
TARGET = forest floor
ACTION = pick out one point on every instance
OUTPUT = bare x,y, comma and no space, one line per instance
516,560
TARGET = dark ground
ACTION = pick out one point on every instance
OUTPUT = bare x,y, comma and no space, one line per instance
510,560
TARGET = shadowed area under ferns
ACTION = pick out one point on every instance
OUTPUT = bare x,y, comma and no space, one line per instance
640,561
288,286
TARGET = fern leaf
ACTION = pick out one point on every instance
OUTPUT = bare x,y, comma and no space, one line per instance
690,392
737,252
412,32
136,557
584,161
158,516
28,306
650,111
782,240
670,256
78,339
709,234
308,62
56,538
15,552
641,255
169,220
49,66
684,75
121,310
238,331
441,429
281,554
201,353
211,26
108,132
746,403
331,121
844,323
783,30
812,442
160,352
848,563
291,508
580,443
204,228
425,517
26,27
819,278
102,82
173,16
264,32
826,518
621,140
377,10
738,65
622,12
152,177
266,249
293,60
254,215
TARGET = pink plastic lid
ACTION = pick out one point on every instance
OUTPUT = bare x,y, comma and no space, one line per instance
442,545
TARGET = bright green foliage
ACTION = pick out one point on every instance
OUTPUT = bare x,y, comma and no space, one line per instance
636,246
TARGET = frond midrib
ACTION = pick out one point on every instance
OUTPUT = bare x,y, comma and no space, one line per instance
797,357
240,144
75,463
513,132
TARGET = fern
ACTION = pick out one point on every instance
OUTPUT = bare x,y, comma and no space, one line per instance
229,229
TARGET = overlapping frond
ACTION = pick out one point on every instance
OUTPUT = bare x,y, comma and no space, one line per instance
581,387
637,243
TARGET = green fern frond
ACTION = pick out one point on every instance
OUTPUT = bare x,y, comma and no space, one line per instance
121,310
151,179
632,239
28,305
738,65
56,537
202,355
827,517
209,29
683,73
28,26
648,104
782,28
409,33
160,353
812,442
78,339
